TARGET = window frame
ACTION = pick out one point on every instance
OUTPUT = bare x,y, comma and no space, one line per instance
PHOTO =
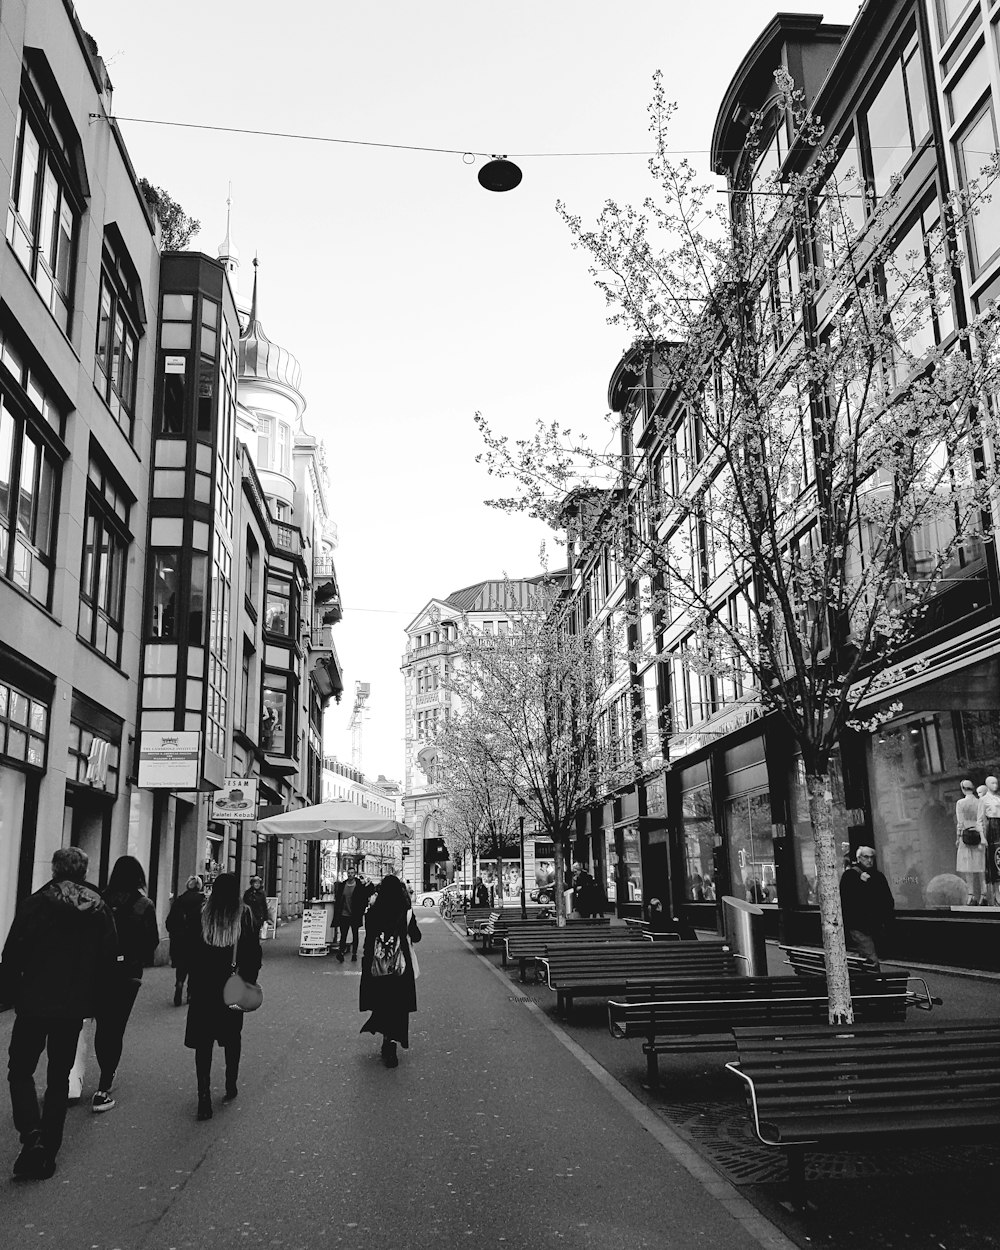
117,381
113,524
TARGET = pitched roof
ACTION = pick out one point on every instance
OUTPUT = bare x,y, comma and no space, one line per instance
495,596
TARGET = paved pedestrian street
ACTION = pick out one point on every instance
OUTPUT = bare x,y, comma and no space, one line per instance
500,1127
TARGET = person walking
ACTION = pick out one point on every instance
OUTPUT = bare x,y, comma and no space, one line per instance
256,900
867,905
138,937
350,898
184,926
390,999
60,950
228,936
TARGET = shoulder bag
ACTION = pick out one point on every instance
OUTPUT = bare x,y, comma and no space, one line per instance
240,995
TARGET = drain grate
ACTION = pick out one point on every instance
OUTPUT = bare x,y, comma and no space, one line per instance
723,1134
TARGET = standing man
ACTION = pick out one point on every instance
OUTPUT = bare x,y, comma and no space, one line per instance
256,900
867,904
60,952
350,898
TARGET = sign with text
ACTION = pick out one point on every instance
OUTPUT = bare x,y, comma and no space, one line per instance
237,800
169,759
313,939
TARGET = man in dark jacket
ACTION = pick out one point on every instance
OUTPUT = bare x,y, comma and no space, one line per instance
867,904
59,953
256,900
350,898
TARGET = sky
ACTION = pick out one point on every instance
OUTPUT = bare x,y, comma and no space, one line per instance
412,297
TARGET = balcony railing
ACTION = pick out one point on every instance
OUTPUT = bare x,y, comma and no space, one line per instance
323,569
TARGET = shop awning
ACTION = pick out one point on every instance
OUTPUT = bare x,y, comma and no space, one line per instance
321,821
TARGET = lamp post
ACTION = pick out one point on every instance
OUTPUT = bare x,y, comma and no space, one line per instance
520,822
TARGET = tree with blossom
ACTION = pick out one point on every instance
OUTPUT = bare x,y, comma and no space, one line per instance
807,466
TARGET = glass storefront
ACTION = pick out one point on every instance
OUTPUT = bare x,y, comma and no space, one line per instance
629,867
699,843
918,763
751,847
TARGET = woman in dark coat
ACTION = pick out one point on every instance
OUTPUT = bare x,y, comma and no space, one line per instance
138,938
390,999
227,927
184,926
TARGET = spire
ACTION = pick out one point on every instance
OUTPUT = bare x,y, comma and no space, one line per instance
229,253
253,298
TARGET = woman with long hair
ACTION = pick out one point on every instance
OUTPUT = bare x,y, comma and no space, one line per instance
228,935
390,999
138,938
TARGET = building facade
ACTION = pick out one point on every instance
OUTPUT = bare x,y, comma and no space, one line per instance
382,797
79,291
720,807
166,603
485,608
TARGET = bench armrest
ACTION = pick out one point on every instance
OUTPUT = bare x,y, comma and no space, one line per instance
738,1071
920,998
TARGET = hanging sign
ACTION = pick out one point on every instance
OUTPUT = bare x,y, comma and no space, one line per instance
237,800
169,760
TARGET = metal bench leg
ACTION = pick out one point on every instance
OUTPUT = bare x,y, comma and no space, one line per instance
652,1080
796,1156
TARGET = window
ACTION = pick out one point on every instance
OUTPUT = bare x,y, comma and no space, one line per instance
24,726
106,541
278,734
968,88
29,489
176,313
897,120
247,677
949,11
252,558
218,658
279,617
265,437
974,149
920,315
840,212
166,578
46,198
117,336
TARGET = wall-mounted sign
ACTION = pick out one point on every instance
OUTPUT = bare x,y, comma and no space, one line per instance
237,800
174,364
169,760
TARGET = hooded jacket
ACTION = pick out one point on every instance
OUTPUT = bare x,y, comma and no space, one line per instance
61,950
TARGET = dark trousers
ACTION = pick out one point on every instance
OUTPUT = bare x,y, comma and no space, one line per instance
864,943
29,1037
203,1065
112,1018
353,926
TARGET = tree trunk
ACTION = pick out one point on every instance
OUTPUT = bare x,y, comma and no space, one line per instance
557,855
828,870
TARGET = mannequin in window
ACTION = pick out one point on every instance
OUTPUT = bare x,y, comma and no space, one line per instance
970,860
989,827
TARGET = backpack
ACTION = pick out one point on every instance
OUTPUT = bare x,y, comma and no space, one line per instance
388,959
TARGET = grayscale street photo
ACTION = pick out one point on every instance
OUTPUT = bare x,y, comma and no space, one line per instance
507,755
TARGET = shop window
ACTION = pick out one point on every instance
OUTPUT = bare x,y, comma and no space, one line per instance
627,869
92,760
46,196
751,847
106,542
918,765
897,121
699,841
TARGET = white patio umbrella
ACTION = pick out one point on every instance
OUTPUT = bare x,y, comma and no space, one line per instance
322,821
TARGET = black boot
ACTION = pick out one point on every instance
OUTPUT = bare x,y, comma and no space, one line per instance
389,1055
204,1105
178,992
28,1162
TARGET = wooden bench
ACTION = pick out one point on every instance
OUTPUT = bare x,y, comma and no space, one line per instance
506,926
810,961
529,948
476,918
675,931
839,1086
700,1014
590,971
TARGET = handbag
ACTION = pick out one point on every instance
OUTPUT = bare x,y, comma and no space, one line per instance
971,837
388,959
240,995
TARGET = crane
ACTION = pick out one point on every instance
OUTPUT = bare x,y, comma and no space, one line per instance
362,689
